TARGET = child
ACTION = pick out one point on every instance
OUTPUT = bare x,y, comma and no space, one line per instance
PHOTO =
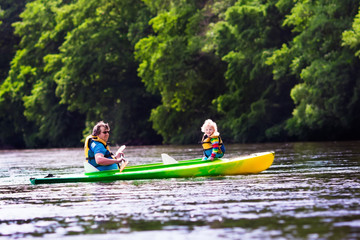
211,141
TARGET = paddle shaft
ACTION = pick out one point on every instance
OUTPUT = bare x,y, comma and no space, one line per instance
122,166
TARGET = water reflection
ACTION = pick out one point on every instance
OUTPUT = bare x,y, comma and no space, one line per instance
310,192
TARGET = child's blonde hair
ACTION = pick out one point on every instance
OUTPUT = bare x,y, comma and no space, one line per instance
209,122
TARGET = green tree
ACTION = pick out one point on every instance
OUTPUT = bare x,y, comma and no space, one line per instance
262,69
173,65
351,39
27,95
75,67
326,95
9,13
95,71
254,103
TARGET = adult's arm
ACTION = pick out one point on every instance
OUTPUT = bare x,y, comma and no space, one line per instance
101,160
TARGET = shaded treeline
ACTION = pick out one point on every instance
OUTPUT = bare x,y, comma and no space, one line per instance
271,70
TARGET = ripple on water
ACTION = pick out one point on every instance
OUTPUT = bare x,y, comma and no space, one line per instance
310,192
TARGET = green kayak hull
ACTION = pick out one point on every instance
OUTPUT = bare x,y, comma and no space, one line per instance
249,164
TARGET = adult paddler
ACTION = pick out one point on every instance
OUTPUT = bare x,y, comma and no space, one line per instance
98,154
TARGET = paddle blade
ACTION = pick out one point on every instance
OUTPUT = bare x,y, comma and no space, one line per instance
167,159
123,165
121,149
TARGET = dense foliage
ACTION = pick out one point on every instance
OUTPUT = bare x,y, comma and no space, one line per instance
264,70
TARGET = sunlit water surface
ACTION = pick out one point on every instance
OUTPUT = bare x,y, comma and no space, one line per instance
312,191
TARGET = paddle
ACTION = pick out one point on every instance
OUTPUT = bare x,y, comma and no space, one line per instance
123,165
167,159
120,150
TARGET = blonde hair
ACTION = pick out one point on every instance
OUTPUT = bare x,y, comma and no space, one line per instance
211,123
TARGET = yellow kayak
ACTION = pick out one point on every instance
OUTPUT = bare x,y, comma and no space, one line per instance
247,164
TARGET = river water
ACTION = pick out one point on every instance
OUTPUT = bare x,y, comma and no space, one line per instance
312,191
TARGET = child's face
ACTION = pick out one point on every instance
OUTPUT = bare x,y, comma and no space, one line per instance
209,130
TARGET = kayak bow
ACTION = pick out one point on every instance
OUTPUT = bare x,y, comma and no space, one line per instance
249,164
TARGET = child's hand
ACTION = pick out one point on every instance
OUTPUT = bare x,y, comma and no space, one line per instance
211,158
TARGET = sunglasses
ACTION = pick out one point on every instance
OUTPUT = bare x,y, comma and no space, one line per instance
106,132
